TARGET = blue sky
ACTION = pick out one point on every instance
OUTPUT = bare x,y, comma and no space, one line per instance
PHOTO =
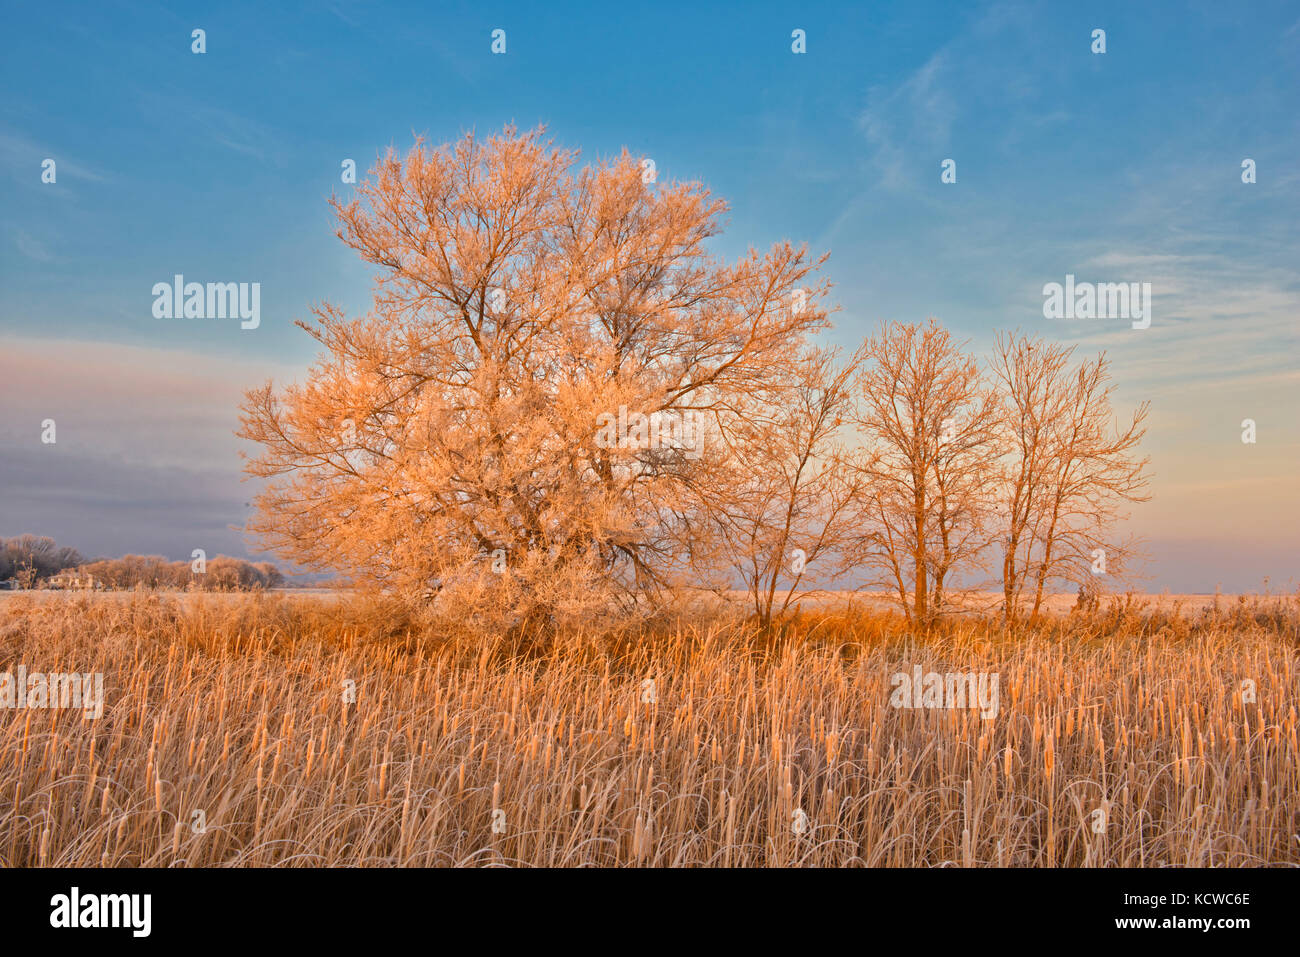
1122,166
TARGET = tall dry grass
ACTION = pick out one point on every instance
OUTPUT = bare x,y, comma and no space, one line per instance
234,707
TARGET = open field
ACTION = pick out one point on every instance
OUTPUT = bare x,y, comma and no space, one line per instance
56,594
1128,738
972,602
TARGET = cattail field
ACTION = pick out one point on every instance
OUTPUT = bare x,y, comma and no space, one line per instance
266,730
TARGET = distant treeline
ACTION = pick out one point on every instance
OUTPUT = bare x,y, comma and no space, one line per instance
35,561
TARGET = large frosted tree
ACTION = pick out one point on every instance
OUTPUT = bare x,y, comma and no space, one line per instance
531,415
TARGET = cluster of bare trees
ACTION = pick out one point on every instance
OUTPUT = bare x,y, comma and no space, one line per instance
221,573
29,559
32,561
1018,466
454,444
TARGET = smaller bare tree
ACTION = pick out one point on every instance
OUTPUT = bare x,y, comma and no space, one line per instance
1071,466
930,425
785,521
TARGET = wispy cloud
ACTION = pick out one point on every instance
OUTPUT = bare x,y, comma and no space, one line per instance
234,131
24,155
31,247
1214,319
900,121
